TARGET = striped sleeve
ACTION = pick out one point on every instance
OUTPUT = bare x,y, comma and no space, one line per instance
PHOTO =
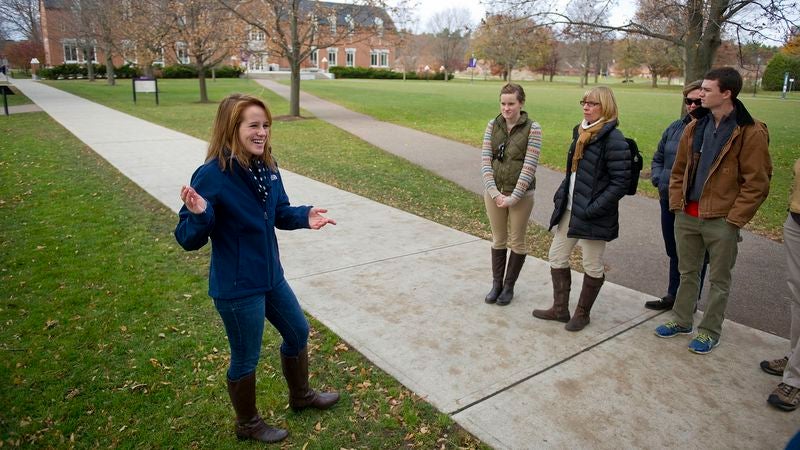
529,165
486,162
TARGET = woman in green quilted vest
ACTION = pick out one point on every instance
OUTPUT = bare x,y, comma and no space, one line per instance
509,157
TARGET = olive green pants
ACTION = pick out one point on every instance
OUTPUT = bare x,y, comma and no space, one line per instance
695,236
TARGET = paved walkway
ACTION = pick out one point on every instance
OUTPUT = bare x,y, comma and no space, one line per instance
760,296
512,381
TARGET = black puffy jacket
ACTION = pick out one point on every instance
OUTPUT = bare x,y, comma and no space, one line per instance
600,182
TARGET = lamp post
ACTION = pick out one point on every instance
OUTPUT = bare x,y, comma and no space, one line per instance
325,62
441,69
427,72
755,82
34,68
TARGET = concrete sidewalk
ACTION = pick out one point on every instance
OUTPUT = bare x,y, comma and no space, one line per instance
759,297
407,293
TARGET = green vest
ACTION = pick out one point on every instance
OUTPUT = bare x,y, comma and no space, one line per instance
506,172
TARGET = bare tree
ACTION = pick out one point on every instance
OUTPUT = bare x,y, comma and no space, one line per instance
21,17
146,29
451,31
695,26
294,29
590,38
80,23
208,33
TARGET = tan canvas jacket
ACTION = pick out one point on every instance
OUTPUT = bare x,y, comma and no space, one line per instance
738,182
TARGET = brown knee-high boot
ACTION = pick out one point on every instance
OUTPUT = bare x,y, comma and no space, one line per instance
498,270
295,370
249,424
591,287
562,283
515,262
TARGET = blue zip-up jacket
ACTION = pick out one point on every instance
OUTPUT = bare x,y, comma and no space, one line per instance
244,249
664,158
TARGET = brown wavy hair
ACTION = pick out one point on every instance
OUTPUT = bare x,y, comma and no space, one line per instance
225,144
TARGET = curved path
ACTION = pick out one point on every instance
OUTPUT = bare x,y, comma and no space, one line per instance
759,297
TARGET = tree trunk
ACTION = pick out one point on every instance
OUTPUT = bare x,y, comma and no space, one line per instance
654,78
109,69
89,65
201,77
294,97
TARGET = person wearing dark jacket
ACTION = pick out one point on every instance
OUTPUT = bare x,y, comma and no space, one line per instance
720,178
586,209
509,157
236,199
661,167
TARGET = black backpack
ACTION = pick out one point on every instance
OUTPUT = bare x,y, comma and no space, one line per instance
636,166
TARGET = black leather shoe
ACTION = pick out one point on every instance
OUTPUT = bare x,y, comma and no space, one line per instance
661,304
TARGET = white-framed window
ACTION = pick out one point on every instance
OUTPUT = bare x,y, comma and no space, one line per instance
379,58
351,23
159,61
350,57
89,54
257,36
257,62
332,22
379,26
314,57
332,52
182,53
129,52
70,51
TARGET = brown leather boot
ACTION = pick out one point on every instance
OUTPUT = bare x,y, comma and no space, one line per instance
562,284
515,262
591,287
249,424
295,370
498,270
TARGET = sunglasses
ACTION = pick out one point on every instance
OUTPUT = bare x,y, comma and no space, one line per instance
591,104
501,152
689,101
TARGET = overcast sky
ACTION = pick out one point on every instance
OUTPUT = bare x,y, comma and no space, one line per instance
427,8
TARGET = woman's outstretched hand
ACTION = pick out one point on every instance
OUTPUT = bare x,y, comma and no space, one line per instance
193,201
316,220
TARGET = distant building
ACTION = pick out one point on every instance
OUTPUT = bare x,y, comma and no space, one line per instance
350,36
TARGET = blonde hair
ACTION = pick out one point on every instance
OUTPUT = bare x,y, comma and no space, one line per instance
693,86
605,97
225,144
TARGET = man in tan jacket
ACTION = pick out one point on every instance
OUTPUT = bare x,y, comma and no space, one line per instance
720,178
787,395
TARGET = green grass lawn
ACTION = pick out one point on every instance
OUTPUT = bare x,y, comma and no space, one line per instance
108,338
459,110
13,100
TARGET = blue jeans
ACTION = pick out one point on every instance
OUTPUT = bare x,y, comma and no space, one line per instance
244,324
668,232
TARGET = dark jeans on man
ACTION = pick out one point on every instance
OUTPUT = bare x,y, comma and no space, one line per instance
244,324
668,232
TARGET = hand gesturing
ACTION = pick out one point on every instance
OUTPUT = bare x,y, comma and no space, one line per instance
316,220
193,201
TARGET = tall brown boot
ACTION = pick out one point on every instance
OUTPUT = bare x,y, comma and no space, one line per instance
591,287
515,262
562,284
295,370
498,270
249,424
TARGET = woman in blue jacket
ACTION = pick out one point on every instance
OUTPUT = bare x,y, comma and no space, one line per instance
236,199
661,167
586,205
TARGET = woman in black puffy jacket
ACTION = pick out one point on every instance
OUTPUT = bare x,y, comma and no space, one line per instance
586,205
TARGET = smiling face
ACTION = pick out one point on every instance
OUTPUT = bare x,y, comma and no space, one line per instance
510,107
254,130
